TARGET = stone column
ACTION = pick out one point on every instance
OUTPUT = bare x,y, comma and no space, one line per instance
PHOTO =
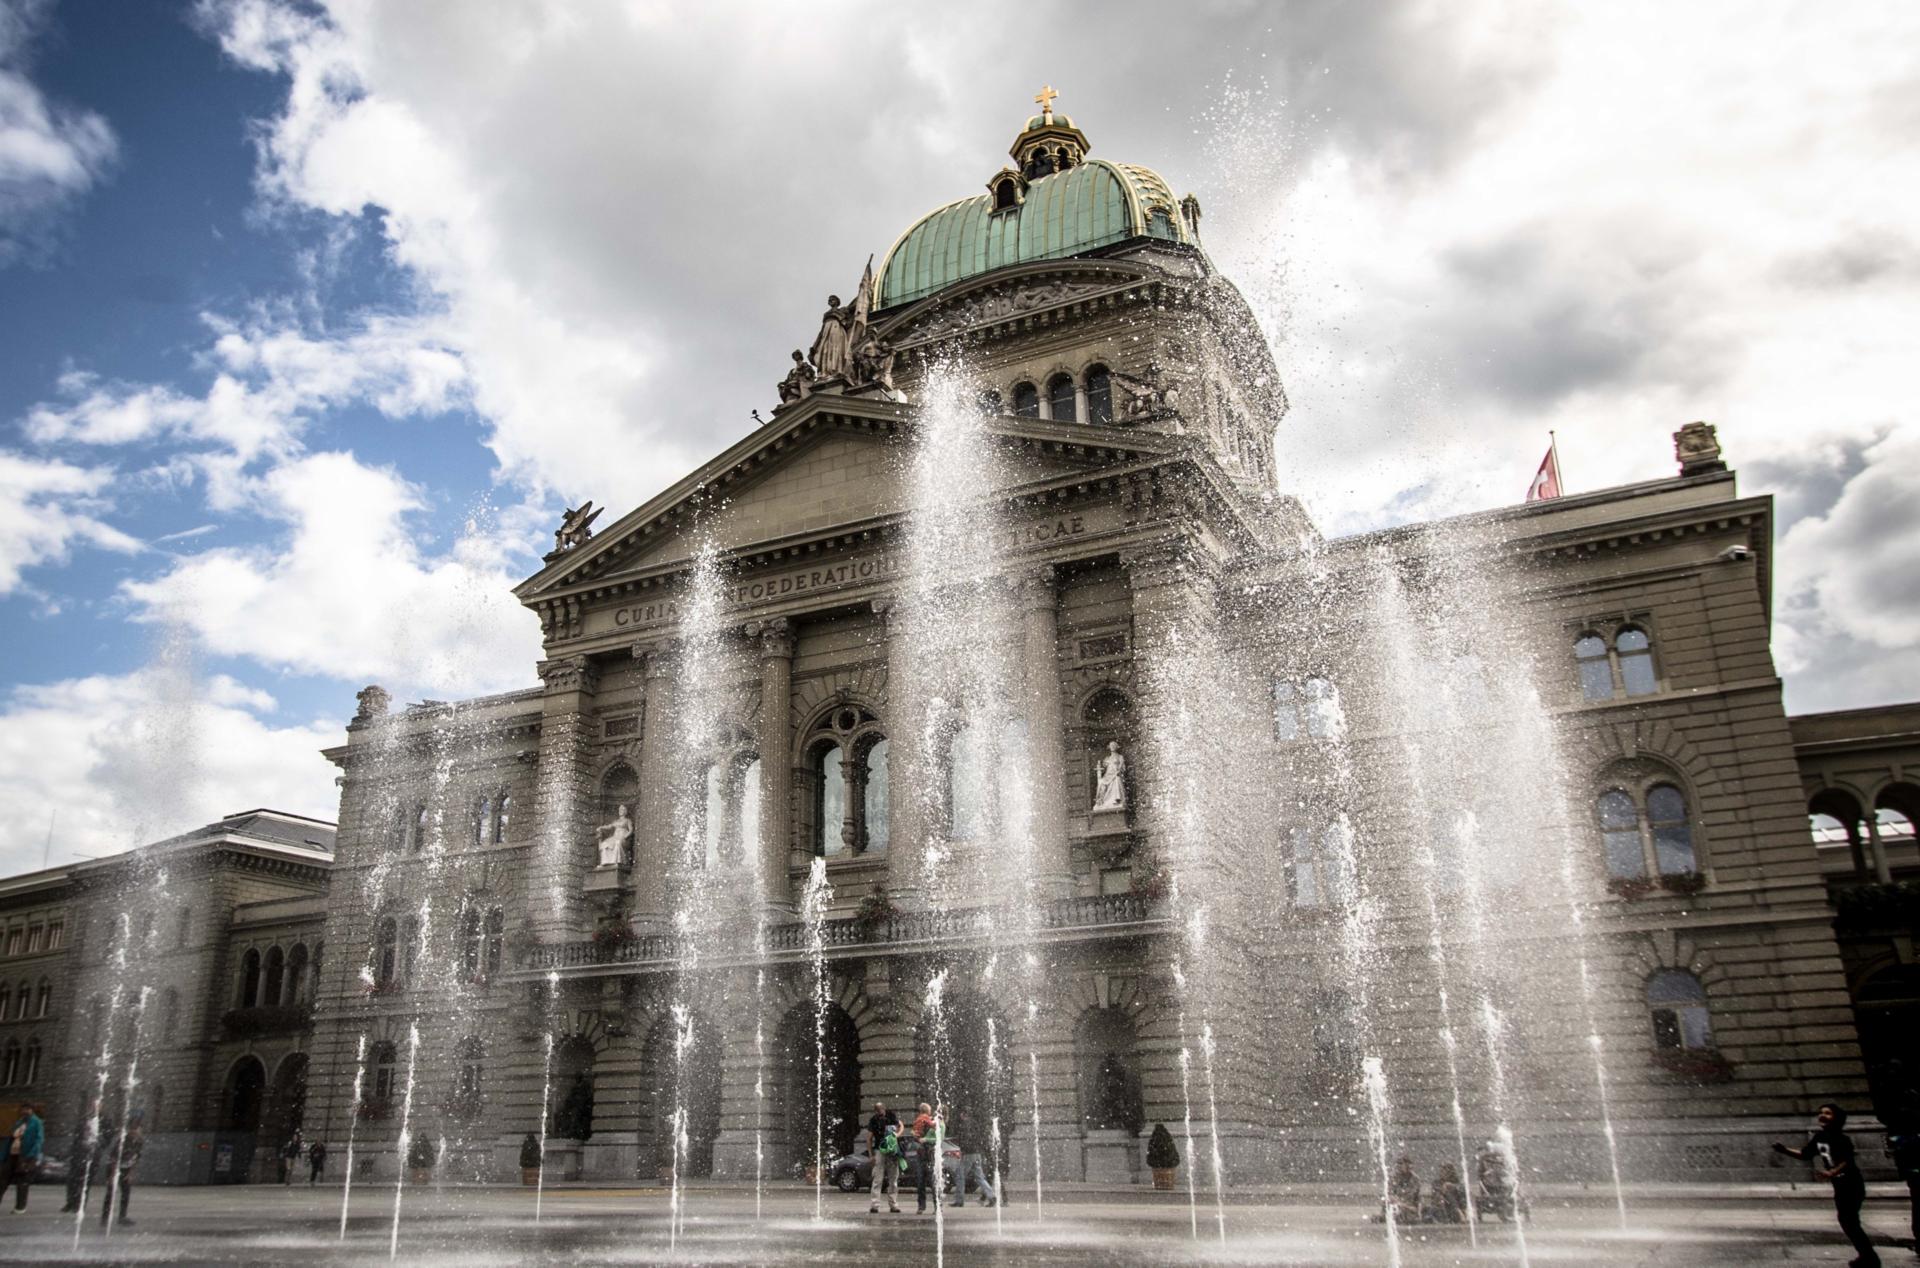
747,1121
653,847
1877,848
776,759
908,767
1046,731
557,881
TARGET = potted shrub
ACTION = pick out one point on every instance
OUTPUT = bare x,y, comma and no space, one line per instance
530,1160
422,1153
1162,1156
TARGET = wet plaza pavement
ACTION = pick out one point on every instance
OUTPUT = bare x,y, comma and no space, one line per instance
483,1226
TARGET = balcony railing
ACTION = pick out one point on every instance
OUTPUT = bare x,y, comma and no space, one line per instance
900,928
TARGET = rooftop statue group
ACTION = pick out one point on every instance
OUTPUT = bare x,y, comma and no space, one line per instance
846,352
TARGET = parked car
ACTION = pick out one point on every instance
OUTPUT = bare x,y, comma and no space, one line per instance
852,1173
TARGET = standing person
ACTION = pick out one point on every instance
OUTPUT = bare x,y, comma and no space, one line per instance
1830,1150
123,1160
927,1132
316,1161
973,1163
80,1147
886,1165
886,1171
290,1156
23,1155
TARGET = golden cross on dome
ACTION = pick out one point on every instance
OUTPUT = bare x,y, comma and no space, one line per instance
1045,97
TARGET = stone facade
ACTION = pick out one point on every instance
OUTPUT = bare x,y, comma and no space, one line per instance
487,971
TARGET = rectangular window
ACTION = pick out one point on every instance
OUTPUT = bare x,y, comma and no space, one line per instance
36,938
54,931
16,939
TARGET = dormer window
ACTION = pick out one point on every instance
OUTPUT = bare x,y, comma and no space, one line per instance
1006,195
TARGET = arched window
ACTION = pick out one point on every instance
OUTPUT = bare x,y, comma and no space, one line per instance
250,979
1026,401
1677,1004
418,841
23,1001
1005,194
483,819
1645,830
989,402
10,1063
299,989
43,1001
1060,403
409,949
143,931
1099,394
6,1000
502,815
30,1067
1286,710
386,952
1063,157
183,931
496,938
169,1015
276,981
830,800
466,1103
1596,671
385,1060
1828,830
1316,872
401,840
876,818
1892,824
1612,669
1636,660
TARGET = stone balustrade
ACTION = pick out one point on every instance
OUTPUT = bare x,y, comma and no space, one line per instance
901,929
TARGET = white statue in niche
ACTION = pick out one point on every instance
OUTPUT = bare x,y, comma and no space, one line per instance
615,838
1110,790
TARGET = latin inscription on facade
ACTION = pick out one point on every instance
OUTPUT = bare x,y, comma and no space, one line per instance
799,581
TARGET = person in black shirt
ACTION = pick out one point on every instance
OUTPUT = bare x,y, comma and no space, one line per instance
1830,1150
886,1170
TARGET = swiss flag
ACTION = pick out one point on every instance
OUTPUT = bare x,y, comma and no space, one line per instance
1546,481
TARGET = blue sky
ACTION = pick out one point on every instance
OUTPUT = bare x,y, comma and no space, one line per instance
313,316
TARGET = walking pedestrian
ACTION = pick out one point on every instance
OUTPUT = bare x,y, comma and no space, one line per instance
23,1155
883,1148
1830,1150
973,1162
122,1160
80,1147
290,1156
316,1161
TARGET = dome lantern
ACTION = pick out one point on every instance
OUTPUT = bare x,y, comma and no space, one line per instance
1049,143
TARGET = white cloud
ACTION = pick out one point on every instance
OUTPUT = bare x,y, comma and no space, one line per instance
351,592
270,381
46,507
109,762
49,153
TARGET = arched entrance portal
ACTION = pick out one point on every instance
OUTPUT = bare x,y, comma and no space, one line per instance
285,1110
835,1054
1886,1010
689,1081
960,1061
572,1101
242,1099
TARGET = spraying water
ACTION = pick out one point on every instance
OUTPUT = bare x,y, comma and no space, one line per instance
115,1201
353,1121
546,1099
1376,1080
405,1138
813,909
936,993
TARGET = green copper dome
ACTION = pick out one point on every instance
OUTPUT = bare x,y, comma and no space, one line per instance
1091,205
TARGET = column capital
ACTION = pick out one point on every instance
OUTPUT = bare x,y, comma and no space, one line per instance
657,657
775,636
568,673
1169,561
1032,586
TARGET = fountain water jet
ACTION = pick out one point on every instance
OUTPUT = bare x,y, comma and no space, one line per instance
813,910
353,1121
132,1081
405,1138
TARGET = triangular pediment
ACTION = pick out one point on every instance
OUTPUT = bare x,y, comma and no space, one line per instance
825,463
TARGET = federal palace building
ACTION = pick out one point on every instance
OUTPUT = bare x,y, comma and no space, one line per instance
496,922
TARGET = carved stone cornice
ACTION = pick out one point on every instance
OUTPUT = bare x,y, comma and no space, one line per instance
570,673
774,635
658,657
1033,587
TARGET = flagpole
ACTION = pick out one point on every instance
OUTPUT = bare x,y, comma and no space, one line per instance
1559,473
